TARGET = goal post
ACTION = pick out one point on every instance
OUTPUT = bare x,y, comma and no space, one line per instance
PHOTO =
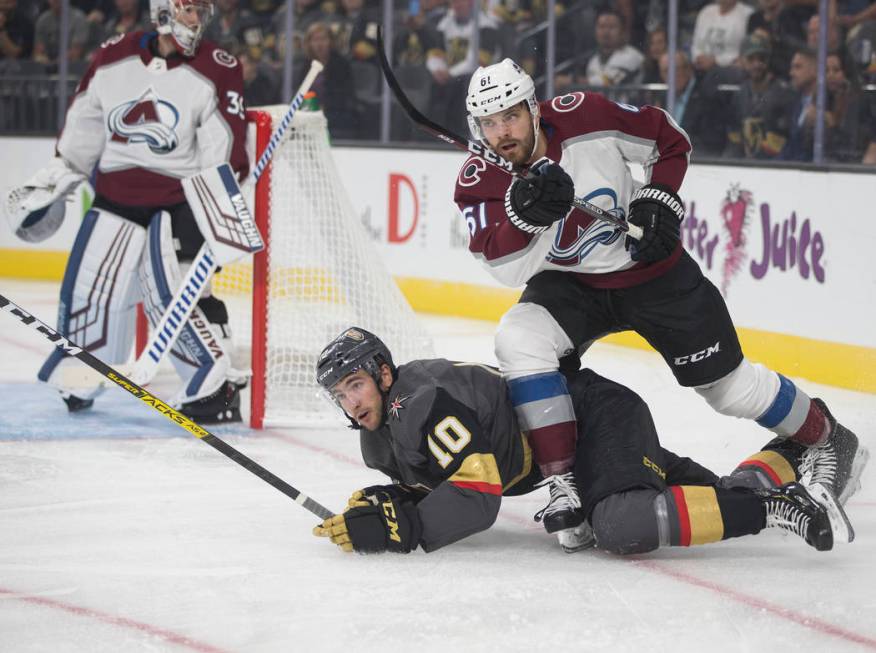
319,273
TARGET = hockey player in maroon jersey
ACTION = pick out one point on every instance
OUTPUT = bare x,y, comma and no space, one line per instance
584,279
153,108
447,434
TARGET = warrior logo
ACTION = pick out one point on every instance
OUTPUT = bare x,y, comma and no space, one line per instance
735,216
579,234
147,120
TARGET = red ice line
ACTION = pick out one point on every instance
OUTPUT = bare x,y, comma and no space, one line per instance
167,635
753,602
750,601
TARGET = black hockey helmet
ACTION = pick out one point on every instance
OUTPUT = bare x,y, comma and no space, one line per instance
355,349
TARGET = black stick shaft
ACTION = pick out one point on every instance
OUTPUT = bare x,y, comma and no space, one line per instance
479,149
70,348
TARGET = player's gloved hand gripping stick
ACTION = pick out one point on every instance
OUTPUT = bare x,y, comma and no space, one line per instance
479,149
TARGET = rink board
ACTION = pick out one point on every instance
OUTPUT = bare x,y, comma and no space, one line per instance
787,248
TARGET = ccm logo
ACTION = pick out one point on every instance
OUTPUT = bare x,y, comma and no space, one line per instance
700,355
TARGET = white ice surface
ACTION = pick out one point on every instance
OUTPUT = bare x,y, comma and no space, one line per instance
120,532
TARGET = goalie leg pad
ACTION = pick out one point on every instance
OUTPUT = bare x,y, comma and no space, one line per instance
198,356
98,294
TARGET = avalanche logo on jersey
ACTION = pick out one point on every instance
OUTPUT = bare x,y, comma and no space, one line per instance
147,119
578,234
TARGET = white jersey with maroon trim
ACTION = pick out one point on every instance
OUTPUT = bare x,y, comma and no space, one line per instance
593,139
147,122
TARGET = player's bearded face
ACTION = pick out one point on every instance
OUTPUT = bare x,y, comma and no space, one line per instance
510,134
361,399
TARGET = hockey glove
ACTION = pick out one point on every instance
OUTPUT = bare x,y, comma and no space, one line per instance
658,211
390,526
374,495
539,198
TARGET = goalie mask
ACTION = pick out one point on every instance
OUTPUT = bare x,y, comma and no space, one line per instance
495,88
184,20
355,349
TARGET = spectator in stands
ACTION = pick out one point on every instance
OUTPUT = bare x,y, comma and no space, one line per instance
334,86
97,12
784,27
128,17
516,17
455,59
801,117
698,107
236,29
614,63
260,85
655,48
718,33
47,34
16,32
758,126
834,35
845,118
357,36
306,13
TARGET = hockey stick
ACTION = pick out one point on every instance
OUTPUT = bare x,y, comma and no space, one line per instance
183,302
155,403
479,149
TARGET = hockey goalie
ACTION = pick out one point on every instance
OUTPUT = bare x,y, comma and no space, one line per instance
153,109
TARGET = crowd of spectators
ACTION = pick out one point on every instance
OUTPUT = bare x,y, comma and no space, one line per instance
746,72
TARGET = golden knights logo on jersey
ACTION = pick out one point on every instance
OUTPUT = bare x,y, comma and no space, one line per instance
147,119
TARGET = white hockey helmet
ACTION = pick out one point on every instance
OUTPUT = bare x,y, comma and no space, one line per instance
498,87
168,18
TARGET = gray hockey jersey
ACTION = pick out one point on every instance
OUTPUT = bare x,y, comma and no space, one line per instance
450,428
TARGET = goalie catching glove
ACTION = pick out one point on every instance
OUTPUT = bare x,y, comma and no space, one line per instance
658,210
539,198
35,209
391,525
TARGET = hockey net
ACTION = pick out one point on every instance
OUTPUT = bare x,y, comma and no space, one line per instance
320,273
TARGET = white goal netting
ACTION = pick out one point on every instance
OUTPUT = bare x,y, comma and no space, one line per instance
324,274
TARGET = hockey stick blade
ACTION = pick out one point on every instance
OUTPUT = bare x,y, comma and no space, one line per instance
126,384
479,149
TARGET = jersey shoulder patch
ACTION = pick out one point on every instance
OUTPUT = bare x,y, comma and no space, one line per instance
119,47
478,181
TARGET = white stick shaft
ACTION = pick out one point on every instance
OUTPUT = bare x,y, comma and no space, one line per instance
265,158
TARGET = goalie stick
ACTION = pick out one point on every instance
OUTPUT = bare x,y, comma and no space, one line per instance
176,315
126,384
481,150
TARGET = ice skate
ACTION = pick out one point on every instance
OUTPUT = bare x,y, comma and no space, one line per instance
791,508
223,406
838,463
562,515
577,539
76,404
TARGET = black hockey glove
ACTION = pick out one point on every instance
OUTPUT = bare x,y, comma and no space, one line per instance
658,210
390,526
376,494
539,198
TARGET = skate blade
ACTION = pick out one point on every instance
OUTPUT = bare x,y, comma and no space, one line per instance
839,521
862,456
577,539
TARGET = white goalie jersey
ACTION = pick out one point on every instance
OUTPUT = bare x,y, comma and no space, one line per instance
147,122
